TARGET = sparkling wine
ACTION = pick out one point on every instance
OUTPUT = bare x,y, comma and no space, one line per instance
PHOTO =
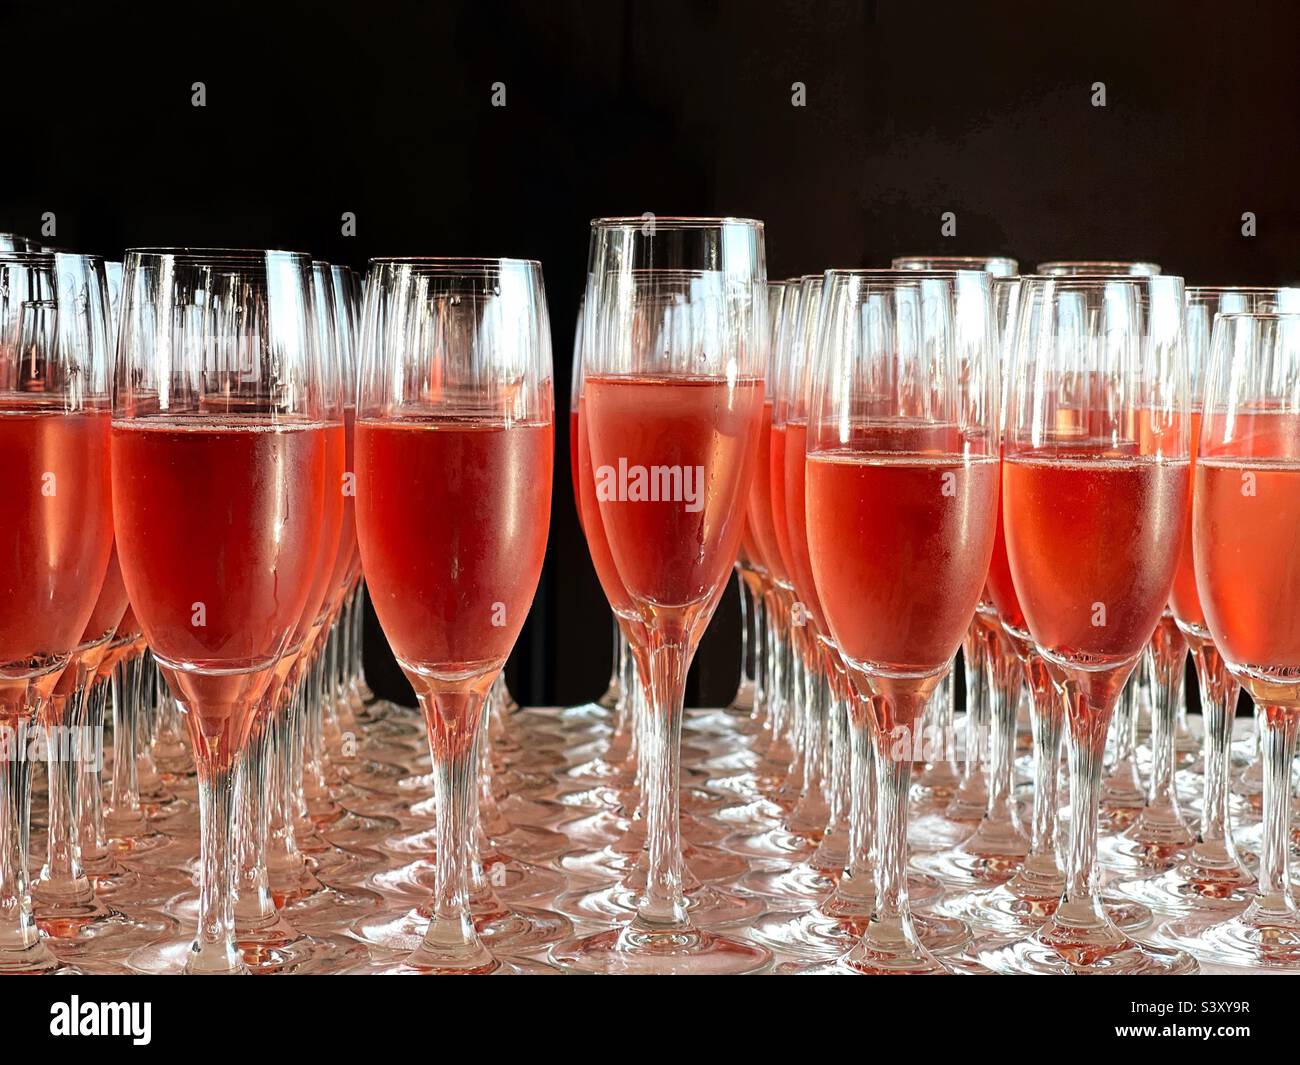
452,517
1092,544
672,459
218,531
593,527
900,543
56,530
1183,598
762,517
1246,528
795,464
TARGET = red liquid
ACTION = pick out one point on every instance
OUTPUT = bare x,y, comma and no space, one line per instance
762,516
226,515
347,558
900,552
674,554
1183,598
1001,588
793,503
1245,547
1092,545
593,527
56,529
452,518
776,486
326,568
111,605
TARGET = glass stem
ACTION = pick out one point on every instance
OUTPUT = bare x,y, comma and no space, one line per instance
1007,681
254,906
663,907
21,948
1047,716
1218,711
90,801
454,720
1086,725
214,949
1167,656
62,882
1277,748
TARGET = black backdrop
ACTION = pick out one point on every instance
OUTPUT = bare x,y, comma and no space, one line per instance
911,109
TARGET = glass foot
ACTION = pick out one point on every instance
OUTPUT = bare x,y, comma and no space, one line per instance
707,906
1257,938
1100,950
636,951
1192,887
822,936
513,930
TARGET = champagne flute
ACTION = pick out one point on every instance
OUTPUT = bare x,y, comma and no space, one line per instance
1095,476
454,443
1245,508
1211,876
221,428
56,536
901,511
674,345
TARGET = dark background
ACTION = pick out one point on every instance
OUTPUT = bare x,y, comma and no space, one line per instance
676,107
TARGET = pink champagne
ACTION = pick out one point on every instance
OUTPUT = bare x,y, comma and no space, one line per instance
452,517
56,529
1092,544
672,459
900,543
218,532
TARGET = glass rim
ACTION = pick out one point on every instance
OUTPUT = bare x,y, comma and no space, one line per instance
1262,316
1039,267
50,257
1101,280
453,264
887,274
200,256
954,259
1245,290
675,222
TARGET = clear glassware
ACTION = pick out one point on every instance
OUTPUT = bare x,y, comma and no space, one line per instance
1095,479
1212,876
454,447
1245,502
56,539
222,413
673,353
902,513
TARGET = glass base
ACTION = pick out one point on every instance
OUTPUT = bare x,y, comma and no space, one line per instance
1192,887
823,936
35,959
800,882
706,864
525,842
1057,949
510,931
937,831
1256,938
95,930
707,906
1018,908
989,857
511,879
1146,845
776,844
275,949
637,951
